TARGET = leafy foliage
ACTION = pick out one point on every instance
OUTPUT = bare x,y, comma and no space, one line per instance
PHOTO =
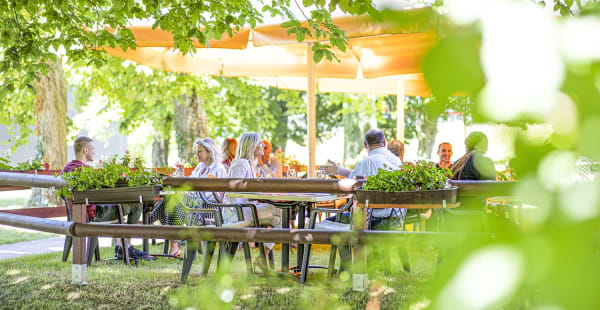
33,33
35,164
110,173
423,175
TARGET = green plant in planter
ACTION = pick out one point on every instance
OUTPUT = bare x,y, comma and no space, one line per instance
5,164
110,174
422,176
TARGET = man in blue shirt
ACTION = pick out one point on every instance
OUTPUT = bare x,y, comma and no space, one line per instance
379,157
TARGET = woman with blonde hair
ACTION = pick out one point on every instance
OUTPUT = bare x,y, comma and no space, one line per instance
209,160
229,148
209,166
244,165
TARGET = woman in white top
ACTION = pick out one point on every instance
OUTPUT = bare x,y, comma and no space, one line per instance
209,160
250,147
209,166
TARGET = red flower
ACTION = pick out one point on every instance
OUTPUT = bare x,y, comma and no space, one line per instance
46,166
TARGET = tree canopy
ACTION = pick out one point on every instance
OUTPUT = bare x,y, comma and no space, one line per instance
34,32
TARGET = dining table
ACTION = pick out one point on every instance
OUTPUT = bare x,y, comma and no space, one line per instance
298,203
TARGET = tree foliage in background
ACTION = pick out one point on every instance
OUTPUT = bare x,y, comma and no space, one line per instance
232,105
33,33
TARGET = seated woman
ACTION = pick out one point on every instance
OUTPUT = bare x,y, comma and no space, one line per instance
209,165
229,146
244,165
473,165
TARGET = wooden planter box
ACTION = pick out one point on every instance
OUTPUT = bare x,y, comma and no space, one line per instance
117,195
403,198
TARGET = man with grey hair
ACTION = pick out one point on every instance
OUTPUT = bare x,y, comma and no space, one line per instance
379,158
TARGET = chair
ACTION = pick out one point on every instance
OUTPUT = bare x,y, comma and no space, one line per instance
204,213
345,252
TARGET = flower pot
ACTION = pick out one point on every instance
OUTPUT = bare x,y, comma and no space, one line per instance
188,171
117,195
435,196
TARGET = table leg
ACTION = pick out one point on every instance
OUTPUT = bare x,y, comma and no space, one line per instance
285,247
301,225
145,221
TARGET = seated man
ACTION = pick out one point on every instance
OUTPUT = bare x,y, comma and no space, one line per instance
379,157
84,153
445,153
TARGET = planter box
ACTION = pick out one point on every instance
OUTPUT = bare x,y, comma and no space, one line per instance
403,198
117,195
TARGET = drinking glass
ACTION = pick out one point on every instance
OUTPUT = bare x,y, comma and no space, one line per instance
291,173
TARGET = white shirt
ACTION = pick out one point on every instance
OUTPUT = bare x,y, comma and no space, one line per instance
241,168
215,169
378,158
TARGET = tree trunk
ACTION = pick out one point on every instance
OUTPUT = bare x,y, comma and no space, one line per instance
190,123
352,132
428,129
160,145
160,151
51,126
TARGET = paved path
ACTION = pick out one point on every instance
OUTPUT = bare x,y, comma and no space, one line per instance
54,244
42,246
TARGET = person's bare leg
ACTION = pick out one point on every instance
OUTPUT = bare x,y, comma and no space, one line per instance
174,247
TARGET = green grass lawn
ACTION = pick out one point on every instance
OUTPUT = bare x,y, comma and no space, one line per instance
14,199
43,281
13,235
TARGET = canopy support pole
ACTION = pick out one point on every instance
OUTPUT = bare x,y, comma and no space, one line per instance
312,110
400,110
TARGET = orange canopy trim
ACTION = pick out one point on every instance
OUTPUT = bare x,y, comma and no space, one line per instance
405,21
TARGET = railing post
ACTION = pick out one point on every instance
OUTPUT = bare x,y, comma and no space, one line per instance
360,278
79,267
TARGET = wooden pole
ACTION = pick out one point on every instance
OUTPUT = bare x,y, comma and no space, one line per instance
312,110
400,110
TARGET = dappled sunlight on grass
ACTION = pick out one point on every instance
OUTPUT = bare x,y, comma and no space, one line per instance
21,279
156,284
13,272
73,295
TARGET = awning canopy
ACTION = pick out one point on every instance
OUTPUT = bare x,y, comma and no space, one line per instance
393,49
381,58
